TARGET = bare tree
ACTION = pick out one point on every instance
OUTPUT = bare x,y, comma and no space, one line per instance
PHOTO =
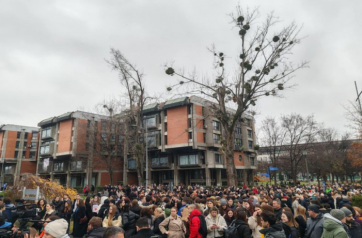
322,155
263,70
131,79
354,115
272,141
300,134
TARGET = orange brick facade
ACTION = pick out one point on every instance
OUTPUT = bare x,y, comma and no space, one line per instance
178,132
65,136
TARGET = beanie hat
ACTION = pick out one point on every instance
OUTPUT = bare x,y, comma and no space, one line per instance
223,202
313,208
57,228
346,211
338,214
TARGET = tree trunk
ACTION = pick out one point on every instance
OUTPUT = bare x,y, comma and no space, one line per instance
332,178
230,165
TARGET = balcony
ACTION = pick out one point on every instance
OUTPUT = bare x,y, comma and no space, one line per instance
77,166
46,149
189,161
60,167
43,168
162,162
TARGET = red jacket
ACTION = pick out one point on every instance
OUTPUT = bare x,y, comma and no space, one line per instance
194,224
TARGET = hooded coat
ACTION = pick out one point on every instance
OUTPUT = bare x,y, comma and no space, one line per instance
333,228
194,224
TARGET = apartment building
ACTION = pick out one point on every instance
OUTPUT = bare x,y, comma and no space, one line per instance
184,144
18,151
70,150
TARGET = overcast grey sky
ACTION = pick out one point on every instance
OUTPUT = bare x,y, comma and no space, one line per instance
52,53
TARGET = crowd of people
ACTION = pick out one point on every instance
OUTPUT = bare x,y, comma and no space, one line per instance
197,212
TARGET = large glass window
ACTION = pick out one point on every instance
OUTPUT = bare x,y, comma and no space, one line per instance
218,158
216,125
132,164
216,138
32,154
59,166
151,122
189,159
250,133
252,161
159,161
44,149
76,165
8,169
34,135
198,174
250,144
46,132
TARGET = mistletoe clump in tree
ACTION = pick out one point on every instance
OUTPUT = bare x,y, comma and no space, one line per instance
263,70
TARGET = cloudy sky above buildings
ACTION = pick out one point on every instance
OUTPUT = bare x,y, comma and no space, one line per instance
52,53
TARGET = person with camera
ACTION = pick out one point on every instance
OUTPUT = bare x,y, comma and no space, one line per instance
215,223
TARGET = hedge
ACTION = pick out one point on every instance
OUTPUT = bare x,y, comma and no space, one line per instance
357,201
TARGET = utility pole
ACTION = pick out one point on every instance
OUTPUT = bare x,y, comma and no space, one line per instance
358,98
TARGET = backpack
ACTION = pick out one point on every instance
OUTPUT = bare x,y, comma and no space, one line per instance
203,226
231,231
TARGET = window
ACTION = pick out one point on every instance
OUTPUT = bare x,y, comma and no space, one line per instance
216,125
59,166
216,138
238,130
44,149
32,154
104,136
16,154
46,132
165,140
88,123
17,145
218,158
23,154
25,135
76,165
104,125
189,160
34,135
150,122
18,134
252,161
189,123
240,158
198,174
165,126
160,161
132,164
250,144
24,144
189,109
153,139
8,169
190,135
33,145
238,143
250,134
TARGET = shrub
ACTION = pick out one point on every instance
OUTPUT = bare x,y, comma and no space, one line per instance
357,201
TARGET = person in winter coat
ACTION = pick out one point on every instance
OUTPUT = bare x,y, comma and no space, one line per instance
270,227
102,212
173,226
333,226
229,217
240,222
66,212
354,227
194,222
255,222
129,219
301,219
215,223
143,229
95,229
79,227
58,205
158,217
112,218
49,211
314,222
288,219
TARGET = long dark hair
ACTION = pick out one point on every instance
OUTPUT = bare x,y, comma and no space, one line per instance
81,203
240,214
69,207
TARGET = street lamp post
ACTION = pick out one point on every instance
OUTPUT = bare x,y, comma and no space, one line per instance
146,155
